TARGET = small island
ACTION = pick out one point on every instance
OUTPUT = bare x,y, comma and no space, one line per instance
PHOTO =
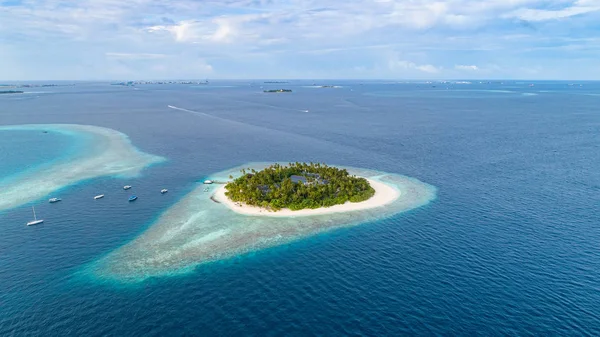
278,90
206,227
10,92
298,186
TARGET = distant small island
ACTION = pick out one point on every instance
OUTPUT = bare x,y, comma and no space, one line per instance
134,83
34,85
298,186
278,90
11,92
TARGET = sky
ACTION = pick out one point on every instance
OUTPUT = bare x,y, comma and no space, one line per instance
312,39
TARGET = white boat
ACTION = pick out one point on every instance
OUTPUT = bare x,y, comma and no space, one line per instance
53,200
208,181
35,219
163,191
99,196
126,187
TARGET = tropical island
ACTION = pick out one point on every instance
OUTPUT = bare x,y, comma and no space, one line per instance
302,189
298,186
197,229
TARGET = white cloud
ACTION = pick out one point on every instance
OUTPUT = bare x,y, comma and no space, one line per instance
224,29
401,65
577,8
428,68
466,67
135,56
253,38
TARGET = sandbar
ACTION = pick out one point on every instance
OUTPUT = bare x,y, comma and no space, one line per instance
103,152
384,194
198,230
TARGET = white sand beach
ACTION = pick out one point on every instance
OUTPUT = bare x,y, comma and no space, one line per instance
384,194
198,230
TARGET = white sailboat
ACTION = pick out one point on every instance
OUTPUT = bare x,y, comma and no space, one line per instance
35,220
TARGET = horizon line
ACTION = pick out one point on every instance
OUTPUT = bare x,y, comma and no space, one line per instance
300,79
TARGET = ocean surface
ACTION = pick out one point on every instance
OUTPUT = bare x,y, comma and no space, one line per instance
510,246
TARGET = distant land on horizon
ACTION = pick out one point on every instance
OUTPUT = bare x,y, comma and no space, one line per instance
267,81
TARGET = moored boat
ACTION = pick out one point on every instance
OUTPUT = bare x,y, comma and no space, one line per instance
35,220
100,196
53,200
208,181
126,187
163,191
132,198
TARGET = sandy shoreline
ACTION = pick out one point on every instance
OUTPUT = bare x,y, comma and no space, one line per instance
384,194
197,229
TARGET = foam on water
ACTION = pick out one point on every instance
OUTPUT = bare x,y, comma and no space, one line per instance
197,230
103,152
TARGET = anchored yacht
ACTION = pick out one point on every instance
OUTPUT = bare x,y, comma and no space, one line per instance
35,219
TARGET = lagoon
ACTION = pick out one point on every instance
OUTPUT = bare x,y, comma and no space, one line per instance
198,229
99,152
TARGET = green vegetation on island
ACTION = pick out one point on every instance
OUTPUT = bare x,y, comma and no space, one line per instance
298,186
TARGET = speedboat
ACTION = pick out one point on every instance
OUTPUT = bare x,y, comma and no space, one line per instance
126,187
132,198
35,220
163,191
53,200
99,196
208,181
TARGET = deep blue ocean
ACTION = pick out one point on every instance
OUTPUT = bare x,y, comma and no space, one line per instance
511,245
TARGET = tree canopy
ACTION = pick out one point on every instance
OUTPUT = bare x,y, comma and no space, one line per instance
317,185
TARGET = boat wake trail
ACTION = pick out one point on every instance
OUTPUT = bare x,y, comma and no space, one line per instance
211,116
320,142
191,111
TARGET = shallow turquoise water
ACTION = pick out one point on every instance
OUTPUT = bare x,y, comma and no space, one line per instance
95,152
26,150
199,230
